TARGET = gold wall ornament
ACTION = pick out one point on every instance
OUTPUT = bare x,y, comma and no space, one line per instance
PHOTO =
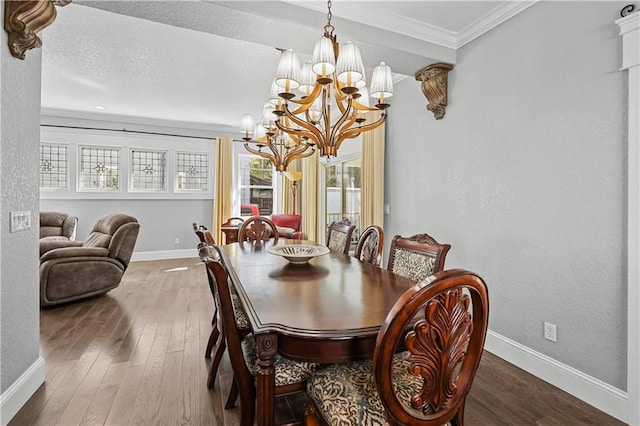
434,86
24,18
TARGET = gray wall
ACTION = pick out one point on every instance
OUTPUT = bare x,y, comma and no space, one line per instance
525,177
161,221
19,139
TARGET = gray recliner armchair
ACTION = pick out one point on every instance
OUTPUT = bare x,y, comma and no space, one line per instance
72,270
56,225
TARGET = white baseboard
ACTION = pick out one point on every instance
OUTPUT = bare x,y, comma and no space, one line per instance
12,400
594,392
140,256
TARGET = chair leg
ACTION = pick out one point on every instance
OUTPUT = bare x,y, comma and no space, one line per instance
211,380
311,415
213,339
233,395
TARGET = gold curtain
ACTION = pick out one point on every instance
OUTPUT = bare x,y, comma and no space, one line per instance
287,189
223,198
308,194
372,212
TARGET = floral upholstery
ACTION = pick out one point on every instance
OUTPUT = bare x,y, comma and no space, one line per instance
413,265
287,372
337,241
241,317
346,394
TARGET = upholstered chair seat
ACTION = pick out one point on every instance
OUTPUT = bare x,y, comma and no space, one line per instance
346,394
287,372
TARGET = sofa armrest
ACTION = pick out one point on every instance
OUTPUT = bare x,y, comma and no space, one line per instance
298,235
66,252
47,244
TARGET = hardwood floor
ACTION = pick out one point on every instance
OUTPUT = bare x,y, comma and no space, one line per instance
136,356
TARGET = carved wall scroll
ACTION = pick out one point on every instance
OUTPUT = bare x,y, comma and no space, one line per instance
434,86
24,18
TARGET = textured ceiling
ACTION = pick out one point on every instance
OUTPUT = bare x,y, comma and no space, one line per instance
208,62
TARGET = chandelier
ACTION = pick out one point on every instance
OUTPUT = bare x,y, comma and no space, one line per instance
282,149
332,101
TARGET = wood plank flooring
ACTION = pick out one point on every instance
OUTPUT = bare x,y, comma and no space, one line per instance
135,356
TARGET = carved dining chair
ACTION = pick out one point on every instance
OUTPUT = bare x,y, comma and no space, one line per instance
290,376
369,248
258,229
427,384
416,257
216,343
339,237
203,234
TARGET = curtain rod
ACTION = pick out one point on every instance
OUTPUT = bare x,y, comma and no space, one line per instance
127,131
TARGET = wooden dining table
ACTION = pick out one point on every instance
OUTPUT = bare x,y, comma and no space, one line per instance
326,311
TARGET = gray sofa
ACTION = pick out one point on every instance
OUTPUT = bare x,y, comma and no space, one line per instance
72,270
56,225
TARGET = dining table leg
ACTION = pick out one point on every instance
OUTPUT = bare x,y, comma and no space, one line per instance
266,346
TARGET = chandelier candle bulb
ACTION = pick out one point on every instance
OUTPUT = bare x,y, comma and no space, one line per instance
247,125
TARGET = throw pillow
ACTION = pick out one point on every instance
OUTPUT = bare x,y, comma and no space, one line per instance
285,232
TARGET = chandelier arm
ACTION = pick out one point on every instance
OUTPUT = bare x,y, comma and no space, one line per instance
338,127
302,155
357,105
312,131
308,100
355,132
259,153
345,128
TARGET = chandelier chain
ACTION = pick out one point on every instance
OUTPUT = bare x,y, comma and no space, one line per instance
328,29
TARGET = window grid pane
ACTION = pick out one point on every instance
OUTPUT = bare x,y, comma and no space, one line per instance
99,168
148,170
192,171
53,166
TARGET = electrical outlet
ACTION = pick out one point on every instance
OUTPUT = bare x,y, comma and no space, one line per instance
176,241
550,331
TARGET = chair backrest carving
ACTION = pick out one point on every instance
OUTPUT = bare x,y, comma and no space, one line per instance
257,229
370,244
339,237
445,347
416,257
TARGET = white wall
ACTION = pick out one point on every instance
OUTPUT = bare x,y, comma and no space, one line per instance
525,178
19,292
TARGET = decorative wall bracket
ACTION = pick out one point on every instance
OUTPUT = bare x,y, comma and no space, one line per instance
24,18
434,86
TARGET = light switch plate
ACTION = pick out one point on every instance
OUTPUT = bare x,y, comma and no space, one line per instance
20,221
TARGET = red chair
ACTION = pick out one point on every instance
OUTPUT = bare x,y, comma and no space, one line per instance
288,222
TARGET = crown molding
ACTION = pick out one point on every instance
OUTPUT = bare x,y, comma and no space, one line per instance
491,20
420,30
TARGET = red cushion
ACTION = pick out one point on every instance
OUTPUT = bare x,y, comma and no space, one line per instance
287,220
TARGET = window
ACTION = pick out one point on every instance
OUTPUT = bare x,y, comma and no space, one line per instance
343,193
54,171
148,170
192,171
256,183
99,168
